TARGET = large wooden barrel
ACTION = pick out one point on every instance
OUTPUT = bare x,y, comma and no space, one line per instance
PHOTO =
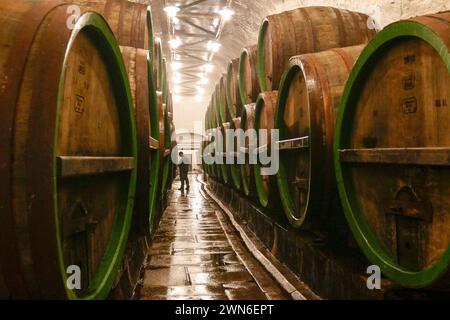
221,96
162,142
158,64
249,88
173,139
266,185
165,84
155,163
68,152
233,97
392,151
129,21
246,122
137,64
309,97
223,169
209,168
167,147
232,168
305,30
217,121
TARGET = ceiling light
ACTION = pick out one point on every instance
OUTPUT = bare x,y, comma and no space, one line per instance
203,80
175,20
226,14
171,11
176,78
213,46
176,66
175,43
216,22
208,68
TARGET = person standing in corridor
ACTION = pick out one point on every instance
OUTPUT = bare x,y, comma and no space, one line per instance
183,167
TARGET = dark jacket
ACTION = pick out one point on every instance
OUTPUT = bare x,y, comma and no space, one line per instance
183,166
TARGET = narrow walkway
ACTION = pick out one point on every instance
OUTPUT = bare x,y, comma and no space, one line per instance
197,255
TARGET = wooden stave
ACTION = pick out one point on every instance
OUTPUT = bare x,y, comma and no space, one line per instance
46,270
430,29
309,19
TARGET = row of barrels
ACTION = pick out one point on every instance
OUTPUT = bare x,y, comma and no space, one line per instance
363,132
85,139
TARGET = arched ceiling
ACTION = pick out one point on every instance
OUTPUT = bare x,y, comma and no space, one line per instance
199,16
242,29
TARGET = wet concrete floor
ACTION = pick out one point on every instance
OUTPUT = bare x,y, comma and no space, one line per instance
196,254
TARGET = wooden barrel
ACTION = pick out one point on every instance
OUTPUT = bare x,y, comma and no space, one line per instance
309,97
137,64
68,149
165,84
305,30
233,97
392,151
129,21
221,89
167,147
213,126
224,170
208,125
265,110
232,168
173,146
216,126
158,65
162,137
249,88
246,123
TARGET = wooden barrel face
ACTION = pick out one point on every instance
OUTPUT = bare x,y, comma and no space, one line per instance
87,220
137,65
59,216
310,94
233,98
392,151
305,30
249,88
265,111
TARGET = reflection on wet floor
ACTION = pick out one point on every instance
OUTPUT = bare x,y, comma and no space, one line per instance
192,257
